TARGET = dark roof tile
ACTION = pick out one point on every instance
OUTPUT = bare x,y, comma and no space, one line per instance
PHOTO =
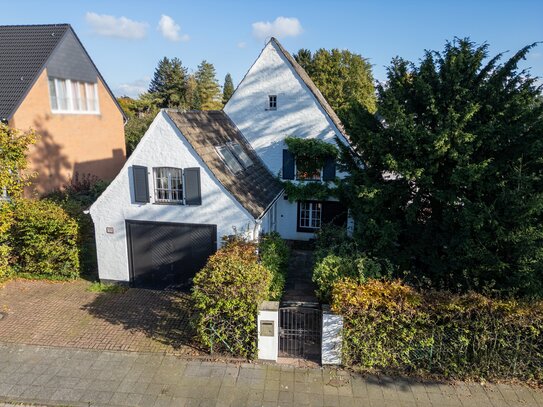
254,188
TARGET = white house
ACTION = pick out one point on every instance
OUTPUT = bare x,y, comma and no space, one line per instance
196,177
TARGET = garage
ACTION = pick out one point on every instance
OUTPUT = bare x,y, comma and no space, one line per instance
168,254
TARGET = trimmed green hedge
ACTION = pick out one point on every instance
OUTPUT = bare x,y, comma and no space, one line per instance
6,220
274,255
392,327
226,295
43,238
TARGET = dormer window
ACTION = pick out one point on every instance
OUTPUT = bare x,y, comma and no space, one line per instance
272,102
235,158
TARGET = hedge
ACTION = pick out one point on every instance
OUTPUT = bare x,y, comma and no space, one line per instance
392,327
43,239
6,221
226,295
274,255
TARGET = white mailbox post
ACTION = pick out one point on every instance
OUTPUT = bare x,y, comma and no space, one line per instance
332,337
268,330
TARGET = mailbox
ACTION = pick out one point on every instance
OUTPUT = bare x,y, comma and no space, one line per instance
266,328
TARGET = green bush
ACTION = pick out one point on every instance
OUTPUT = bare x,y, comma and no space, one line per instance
226,295
274,255
390,326
337,256
6,221
74,198
43,238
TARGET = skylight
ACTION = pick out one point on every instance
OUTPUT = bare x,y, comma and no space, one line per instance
229,159
235,158
241,155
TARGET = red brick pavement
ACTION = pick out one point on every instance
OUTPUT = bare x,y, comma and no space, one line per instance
67,315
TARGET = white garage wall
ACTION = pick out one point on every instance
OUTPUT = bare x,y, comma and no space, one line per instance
162,146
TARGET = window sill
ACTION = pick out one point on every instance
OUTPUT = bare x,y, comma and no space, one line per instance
74,112
168,203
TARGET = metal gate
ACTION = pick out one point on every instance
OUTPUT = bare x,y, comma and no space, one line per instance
300,332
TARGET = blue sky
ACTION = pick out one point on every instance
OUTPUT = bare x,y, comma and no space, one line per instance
127,38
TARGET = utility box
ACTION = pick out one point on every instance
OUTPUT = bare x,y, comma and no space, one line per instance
268,332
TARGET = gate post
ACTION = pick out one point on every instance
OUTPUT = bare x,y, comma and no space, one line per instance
332,337
268,330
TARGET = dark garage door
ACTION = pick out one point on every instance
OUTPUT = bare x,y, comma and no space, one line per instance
168,254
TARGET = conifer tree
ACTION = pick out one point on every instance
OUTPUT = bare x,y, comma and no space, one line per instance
209,91
227,89
452,186
169,83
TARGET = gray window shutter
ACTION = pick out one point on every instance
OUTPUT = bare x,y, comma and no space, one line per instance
288,165
193,192
141,184
329,169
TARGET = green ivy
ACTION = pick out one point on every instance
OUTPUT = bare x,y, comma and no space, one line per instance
304,191
310,154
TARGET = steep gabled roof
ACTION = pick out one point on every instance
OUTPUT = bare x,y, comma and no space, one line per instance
255,188
312,87
24,53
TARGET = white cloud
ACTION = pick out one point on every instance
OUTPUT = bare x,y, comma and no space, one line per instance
111,26
242,44
132,89
281,27
170,30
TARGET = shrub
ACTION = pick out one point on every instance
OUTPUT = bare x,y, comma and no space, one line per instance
6,221
337,257
226,294
390,326
74,198
44,240
274,255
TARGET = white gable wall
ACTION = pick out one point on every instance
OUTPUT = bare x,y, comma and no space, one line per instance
162,146
298,114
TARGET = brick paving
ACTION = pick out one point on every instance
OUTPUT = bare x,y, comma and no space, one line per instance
67,315
79,377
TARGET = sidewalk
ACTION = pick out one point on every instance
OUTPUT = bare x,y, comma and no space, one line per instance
72,377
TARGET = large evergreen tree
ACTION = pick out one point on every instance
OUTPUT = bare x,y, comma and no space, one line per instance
209,91
452,188
227,89
169,83
345,79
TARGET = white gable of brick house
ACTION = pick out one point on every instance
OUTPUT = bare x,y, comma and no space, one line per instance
299,112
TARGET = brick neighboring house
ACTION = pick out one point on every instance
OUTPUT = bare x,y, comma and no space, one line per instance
49,83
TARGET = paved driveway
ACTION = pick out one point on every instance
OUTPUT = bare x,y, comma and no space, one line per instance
67,315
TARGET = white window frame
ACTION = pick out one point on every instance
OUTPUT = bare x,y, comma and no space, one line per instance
70,97
170,189
306,179
311,212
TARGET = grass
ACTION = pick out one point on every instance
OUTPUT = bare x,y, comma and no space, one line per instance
98,287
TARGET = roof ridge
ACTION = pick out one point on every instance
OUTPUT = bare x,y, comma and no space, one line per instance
36,25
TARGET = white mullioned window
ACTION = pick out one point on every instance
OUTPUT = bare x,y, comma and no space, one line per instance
168,185
68,96
310,215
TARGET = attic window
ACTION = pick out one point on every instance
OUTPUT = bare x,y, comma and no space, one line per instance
69,96
272,102
235,158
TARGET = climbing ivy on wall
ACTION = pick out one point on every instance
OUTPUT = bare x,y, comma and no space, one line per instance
310,156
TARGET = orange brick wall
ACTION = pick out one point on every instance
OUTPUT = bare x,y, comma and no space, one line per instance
70,143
